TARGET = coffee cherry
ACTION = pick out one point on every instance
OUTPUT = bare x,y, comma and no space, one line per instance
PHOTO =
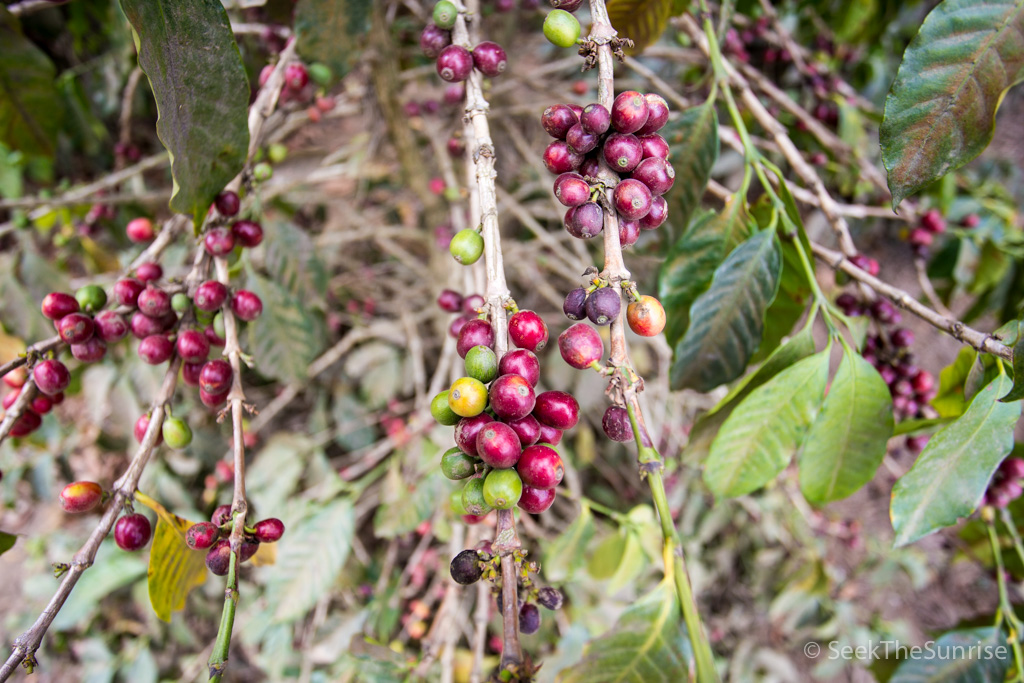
156,349
210,296
201,535
527,429
219,242
529,619
132,532
467,397
81,496
269,530
511,397
490,59
140,230
75,328
561,28
603,306
142,325
465,568
591,166
246,305
141,425
970,221
193,347
468,429
445,14
595,119
473,501
502,489
556,409
176,433
536,501
585,221
498,445
10,398
154,302
616,424
622,151
454,63
457,465
41,405
646,317
558,158
574,305
450,301
16,378
91,298
221,515
149,272
629,112
218,560
249,547
472,304
92,350
475,332
580,141
657,174
885,312
557,120
901,337
520,362
933,222
440,411
540,466
580,345
227,202
467,246
657,114
629,232
127,290
656,216
571,189
180,303
481,363
26,423
455,502
433,40
653,145
51,376
56,305
190,373
868,265
215,377
211,332
527,330
247,233
632,198
212,400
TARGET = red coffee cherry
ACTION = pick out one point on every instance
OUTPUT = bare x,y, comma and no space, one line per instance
81,496
580,345
536,501
28,422
193,347
540,466
475,332
111,327
434,39
247,233
218,560
219,242
215,377
490,59
90,351
132,532
557,120
632,199
149,272
202,535
498,445
595,119
466,431
210,296
227,202
127,291
75,328
527,330
269,530
156,349
140,230
657,114
511,397
616,424
51,376
557,409
454,63
629,112
56,305
246,305
647,317
154,302
522,362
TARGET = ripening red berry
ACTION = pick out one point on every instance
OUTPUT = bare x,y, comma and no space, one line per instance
595,119
526,428
475,332
218,560
933,222
201,535
657,174
632,199
511,397
646,317
472,304
657,114
527,330
540,466
603,305
76,328
210,296
28,422
654,145
81,496
156,349
629,232
192,345
154,302
140,230
16,378
190,373
498,445
433,39
558,158
92,350
249,234
215,377
556,409
296,76
536,501
623,152
110,326
490,59
149,272
219,242
449,301
522,362
656,216
616,425
132,532
246,305
141,425
629,112
212,400
41,404
127,290
467,430
269,530
10,398
580,141
454,63
557,120
56,305
571,189
580,345
51,376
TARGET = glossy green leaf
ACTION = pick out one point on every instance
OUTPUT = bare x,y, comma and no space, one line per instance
766,429
952,472
288,336
940,111
726,321
1017,392
328,31
31,111
188,51
694,148
7,541
949,400
976,655
789,304
642,21
847,441
648,644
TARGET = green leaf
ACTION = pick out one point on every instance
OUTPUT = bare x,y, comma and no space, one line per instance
694,148
727,320
1017,392
648,644
7,541
952,472
940,111
328,31
766,429
567,553
294,263
847,441
188,51
984,658
310,559
949,400
31,112
288,336
789,304
642,21
404,506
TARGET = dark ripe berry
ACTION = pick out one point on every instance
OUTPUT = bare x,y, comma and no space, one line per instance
51,376
849,304
26,423
154,302
91,298
454,64
591,166
110,326
868,265
527,429
489,59
616,424
549,435
41,405
57,305
603,306
249,547
511,397
629,112
970,221
190,373
902,337
76,328
221,515
527,330
449,301
502,489
141,425
149,272
885,312
202,535
81,496
558,158
933,222
457,465
473,498
536,501
227,202
465,568
595,119
550,598
580,345
218,560
132,532
143,326
476,332
529,619
629,233
498,445
247,233
455,93
456,325
456,148
482,363
472,304
646,316
193,347
210,296
269,530
576,109
585,221
215,377
140,230
92,350
156,349
441,411
653,145
246,305
522,362
657,114
433,40
219,242
556,409
622,152
632,199
656,216
540,467
571,189
295,78
467,430
57,398
574,304
657,174
567,5
580,141
127,290
1012,468
557,120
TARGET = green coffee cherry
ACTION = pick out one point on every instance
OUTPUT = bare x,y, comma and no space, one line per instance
467,246
91,298
441,412
445,14
502,489
321,73
481,363
457,465
473,498
262,171
180,302
455,501
277,153
177,433
561,28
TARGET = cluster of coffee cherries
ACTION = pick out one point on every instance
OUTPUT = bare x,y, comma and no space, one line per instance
1005,486
454,62
299,89
505,432
602,304
478,563
30,418
930,224
468,308
131,532
626,139
212,536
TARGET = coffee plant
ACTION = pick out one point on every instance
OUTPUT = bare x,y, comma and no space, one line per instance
282,284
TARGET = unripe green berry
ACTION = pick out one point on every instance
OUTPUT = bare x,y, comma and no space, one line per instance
457,465
455,501
262,171
320,73
91,298
561,28
180,302
177,433
502,489
445,14
442,412
481,363
277,153
473,498
467,246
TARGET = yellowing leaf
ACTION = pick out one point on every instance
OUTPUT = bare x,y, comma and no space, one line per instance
265,556
174,568
642,21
